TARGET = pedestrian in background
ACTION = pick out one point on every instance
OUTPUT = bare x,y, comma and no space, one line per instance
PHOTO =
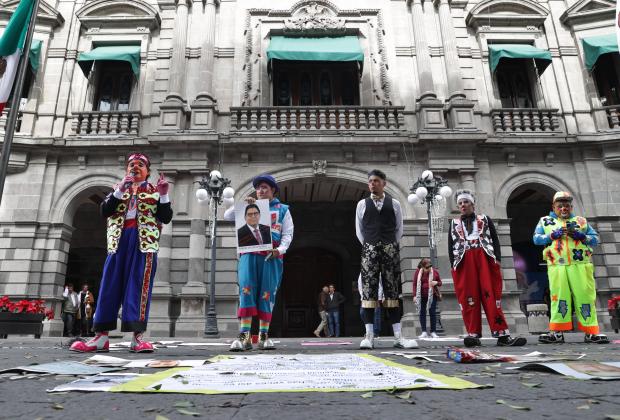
426,284
70,306
85,313
322,303
334,300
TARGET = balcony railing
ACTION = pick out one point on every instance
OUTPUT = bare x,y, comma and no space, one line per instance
613,116
92,123
524,120
260,119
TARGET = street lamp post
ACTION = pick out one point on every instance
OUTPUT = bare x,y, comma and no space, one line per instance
213,190
430,189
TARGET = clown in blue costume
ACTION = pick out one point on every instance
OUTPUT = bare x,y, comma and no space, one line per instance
260,273
135,212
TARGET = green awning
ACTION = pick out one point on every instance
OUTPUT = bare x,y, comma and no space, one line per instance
340,48
128,53
498,52
34,58
595,46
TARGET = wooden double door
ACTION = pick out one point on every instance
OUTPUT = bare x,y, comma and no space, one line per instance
306,271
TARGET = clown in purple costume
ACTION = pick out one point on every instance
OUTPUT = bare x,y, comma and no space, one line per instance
135,212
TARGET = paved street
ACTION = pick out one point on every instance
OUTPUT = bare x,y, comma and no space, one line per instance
555,397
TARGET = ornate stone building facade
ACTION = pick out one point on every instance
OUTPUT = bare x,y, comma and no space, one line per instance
508,98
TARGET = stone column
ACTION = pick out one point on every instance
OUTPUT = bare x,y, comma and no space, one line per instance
422,55
460,110
174,108
191,321
449,48
204,107
159,313
428,107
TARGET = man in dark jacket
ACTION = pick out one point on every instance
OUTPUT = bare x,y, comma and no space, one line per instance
322,303
334,300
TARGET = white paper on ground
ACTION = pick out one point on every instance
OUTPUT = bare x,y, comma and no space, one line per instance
63,368
101,360
164,363
254,373
102,382
579,369
420,355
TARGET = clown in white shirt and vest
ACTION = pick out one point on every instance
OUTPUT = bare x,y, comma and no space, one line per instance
135,212
474,250
260,273
568,241
379,228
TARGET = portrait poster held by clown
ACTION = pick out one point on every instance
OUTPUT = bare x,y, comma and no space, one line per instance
260,272
135,212
568,241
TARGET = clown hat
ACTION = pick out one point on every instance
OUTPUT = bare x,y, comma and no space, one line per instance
266,178
562,196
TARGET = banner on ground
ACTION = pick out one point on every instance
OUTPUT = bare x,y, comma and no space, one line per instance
292,373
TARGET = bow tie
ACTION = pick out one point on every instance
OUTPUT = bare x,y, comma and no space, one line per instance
375,197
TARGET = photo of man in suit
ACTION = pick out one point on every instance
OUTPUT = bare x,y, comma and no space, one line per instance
253,233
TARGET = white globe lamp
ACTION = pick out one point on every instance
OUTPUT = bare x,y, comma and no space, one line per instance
427,175
445,191
228,192
421,192
413,199
202,194
215,175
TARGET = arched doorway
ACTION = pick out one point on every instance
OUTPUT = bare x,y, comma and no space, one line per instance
526,205
87,250
324,250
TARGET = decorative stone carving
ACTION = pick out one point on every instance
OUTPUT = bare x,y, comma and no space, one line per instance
314,18
319,167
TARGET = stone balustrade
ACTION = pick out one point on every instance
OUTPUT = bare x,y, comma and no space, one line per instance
523,120
96,123
299,118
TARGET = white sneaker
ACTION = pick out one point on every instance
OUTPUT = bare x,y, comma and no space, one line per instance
434,335
368,343
423,335
403,343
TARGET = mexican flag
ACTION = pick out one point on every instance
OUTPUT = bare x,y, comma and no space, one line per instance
11,46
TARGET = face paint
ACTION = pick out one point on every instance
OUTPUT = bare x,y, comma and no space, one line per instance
138,169
466,207
264,191
563,209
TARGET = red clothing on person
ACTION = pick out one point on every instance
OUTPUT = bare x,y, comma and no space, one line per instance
424,279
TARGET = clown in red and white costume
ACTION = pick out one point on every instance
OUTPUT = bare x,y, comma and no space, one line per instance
474,250
135,212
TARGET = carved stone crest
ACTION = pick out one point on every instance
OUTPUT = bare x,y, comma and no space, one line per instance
314,18
319,167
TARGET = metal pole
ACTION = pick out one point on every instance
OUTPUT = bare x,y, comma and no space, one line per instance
211,325
17,93
431,240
